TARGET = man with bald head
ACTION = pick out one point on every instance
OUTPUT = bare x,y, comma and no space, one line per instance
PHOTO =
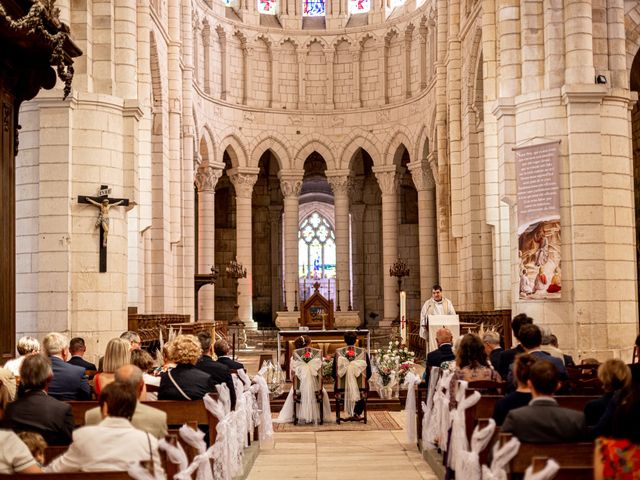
145,418
444,352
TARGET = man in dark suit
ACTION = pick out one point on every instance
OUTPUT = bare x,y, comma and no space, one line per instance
508,356
35,411
69,381
543,420
219,373
77,349
222,349
491,340
444,352
531,340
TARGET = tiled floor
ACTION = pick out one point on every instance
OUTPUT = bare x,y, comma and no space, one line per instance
342,455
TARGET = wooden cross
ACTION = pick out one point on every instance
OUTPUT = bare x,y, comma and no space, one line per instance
103,203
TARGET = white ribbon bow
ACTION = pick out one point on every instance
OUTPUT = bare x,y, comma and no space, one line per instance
351,370
307,372
201,462
411,381
265,426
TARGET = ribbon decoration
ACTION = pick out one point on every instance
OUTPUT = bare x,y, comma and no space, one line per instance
547,473
411,381
265,429
225,447
459,442
501,458
307,372
201,462
175,454
351,370
469,461
245,379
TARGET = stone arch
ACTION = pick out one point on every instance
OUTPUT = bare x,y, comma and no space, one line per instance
472,67
420,152
207,136
236,149
277,147
317,144
318,40
340,39
401,137
290,40
156,74
356,142
632,35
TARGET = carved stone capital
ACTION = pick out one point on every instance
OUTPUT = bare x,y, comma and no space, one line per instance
388,181
207,177
340,181
243,183
422,176
290,186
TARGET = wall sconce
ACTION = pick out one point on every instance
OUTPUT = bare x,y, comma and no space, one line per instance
601,80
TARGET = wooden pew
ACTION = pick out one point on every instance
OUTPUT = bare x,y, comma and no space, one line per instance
178,412
485,406
577,455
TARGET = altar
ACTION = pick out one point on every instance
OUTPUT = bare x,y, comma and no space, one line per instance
325,340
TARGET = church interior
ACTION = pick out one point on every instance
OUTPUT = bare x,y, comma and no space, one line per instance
378,194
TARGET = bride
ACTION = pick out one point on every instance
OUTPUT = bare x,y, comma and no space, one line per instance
306,374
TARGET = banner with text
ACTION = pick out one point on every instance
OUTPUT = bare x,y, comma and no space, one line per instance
538,184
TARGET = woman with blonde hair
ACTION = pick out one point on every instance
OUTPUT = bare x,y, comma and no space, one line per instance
118,353
615,376
185,381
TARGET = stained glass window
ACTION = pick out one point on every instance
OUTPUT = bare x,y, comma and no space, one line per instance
359,6
316,248
313,8
268,7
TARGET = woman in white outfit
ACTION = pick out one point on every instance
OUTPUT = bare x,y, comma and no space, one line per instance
306,373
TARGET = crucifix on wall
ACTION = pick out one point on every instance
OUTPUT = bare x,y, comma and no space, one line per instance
104,204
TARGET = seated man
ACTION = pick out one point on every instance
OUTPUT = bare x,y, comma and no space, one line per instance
77,349
346,356
35,411
444,352
145,418
543,420
491,341
219,373
508,356
531,340
15,456
222,349
114,444
69,381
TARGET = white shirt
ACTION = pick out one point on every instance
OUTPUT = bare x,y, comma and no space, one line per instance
112,445
431,307
14,365
14,455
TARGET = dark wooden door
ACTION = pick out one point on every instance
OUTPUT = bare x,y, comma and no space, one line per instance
7,227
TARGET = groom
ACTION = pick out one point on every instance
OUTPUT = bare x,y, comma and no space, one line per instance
350,339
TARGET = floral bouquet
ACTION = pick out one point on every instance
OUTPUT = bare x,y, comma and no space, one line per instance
307,357
327,369
393,363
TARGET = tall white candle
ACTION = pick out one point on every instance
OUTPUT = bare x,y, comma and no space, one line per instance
403,316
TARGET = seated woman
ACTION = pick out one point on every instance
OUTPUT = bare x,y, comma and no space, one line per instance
118,353
351,362
522,395
306,367
472,363
619,457
598,414
141,359
185,381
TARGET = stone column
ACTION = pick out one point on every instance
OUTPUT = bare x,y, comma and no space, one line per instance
388,180
125,48
275,214
355,55
302,56
275,67
223,62
423,57
384,58
329,55
206,178
206,50
290,184
616,39
243,180
579,42
406,65
510,61
340,182
428,243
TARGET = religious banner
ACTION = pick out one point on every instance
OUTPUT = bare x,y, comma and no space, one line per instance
538,184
